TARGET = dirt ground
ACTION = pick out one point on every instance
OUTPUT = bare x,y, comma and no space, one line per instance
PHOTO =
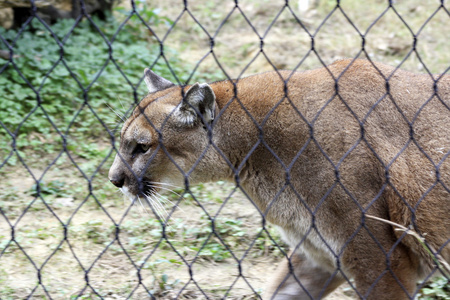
111,261
93,251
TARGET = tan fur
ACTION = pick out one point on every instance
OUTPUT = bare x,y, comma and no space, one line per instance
309,183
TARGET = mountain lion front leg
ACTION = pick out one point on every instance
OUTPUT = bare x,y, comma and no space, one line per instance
315,282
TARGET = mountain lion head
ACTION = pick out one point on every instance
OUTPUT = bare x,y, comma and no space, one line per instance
166,140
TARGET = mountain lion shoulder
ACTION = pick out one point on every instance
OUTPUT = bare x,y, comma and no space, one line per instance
317,151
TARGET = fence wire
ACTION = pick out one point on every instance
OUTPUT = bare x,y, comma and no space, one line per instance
192,288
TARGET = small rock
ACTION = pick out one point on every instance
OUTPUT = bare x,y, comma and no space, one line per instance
66,202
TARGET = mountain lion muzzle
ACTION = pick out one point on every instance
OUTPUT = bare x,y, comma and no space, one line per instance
317,151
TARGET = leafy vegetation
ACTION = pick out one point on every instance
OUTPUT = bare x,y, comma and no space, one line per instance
193,241
438,288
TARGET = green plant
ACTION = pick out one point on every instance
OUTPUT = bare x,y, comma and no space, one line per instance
95,232
54,188
161,283
264,245
201,240
438,288
41,233
10,200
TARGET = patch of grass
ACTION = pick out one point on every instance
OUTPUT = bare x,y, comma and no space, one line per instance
9,199
265,246
162,283
192,240
54,188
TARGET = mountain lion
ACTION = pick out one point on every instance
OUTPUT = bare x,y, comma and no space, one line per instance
317,152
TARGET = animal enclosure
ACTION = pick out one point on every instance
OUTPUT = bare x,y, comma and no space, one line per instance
67,89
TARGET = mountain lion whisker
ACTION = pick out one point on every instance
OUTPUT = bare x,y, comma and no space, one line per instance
172,191
156,204
117,114
166,200
142,205
166,184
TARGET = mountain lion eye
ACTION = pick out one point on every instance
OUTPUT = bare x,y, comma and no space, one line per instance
143,147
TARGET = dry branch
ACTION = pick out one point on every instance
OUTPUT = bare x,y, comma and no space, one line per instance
435,256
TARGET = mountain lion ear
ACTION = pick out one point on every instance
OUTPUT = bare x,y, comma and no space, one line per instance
155,82
199,98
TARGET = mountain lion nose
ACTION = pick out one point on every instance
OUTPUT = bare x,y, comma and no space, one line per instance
119,183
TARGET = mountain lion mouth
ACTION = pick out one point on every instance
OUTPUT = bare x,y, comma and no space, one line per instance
150,198
148,188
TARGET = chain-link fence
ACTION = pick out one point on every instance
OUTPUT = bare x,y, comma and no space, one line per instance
349,158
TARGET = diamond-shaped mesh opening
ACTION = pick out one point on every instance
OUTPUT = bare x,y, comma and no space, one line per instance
315,177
